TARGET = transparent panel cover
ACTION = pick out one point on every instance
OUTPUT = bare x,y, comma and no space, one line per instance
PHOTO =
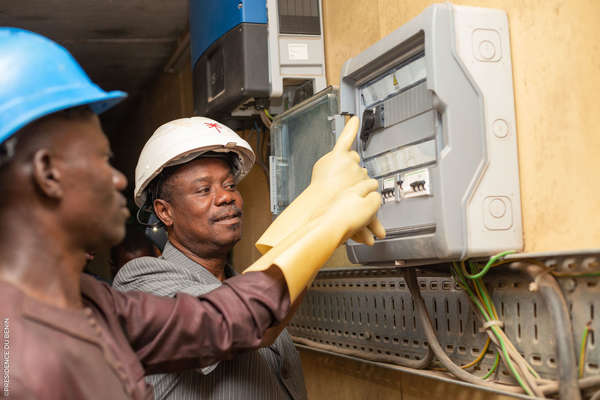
299,137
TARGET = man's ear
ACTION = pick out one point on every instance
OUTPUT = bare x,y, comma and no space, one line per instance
46,175
163,211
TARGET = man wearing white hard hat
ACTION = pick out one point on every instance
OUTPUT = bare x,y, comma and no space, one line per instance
68,336
187,175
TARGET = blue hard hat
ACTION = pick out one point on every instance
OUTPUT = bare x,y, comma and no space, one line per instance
39,77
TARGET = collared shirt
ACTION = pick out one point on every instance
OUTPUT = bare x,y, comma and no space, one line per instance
273,372
104,350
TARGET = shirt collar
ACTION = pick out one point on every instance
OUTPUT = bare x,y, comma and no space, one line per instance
174,255
69,321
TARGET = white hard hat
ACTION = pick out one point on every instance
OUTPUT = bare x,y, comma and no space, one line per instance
182,140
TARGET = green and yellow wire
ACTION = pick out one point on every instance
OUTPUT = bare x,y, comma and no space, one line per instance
482,300
491,371
583,346
489,312
487,266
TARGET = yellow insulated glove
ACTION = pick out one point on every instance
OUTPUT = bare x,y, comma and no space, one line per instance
332,174
301,254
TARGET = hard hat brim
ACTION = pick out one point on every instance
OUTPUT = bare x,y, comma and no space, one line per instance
38,107
182,140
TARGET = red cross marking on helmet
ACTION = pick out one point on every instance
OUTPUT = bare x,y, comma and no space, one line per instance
213,125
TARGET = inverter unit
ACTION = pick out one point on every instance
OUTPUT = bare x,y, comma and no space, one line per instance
255,54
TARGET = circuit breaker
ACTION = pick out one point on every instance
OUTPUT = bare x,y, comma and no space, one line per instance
435,99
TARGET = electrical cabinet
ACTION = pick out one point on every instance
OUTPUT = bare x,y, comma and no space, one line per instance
435,100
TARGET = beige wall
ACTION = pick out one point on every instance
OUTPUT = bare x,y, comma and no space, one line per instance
556,72
334,378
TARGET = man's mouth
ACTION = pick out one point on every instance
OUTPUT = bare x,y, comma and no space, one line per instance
125,212
123,206
229,217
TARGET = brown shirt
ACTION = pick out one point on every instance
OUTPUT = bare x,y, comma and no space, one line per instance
104,350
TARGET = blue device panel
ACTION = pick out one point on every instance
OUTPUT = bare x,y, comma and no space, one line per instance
211,19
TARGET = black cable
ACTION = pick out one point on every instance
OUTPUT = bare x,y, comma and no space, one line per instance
259,150
411,281
555,301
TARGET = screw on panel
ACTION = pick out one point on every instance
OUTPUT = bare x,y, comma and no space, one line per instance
591,263
570,285
569,264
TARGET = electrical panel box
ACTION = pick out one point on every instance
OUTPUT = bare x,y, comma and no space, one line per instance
248,55
299,137
435,99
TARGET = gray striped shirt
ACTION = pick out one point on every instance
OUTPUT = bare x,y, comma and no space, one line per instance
272,372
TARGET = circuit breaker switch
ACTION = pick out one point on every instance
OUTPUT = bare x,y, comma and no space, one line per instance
416,183
368,121
418,186
372,120
388,191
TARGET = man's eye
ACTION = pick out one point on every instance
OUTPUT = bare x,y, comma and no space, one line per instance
231,186
203,190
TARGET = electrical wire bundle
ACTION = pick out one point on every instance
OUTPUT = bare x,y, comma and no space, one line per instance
473,285
411,281
469,276
529,381
262,138
265,118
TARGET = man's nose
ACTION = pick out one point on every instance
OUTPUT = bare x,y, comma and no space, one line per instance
224,196
119,180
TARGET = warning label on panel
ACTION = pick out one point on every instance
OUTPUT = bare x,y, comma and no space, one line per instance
298,51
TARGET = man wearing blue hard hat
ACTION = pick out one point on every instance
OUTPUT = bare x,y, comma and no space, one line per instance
68,336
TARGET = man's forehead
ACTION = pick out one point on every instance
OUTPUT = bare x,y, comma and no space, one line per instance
209,165
204,169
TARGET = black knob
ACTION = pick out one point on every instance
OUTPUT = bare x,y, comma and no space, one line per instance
368,122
